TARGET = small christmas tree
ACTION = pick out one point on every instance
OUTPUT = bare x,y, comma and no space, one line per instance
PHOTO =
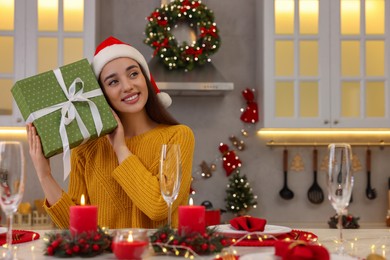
240,198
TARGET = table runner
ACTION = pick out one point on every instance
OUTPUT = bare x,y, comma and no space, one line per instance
293,235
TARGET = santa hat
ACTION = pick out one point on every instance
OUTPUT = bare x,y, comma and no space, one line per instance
112,48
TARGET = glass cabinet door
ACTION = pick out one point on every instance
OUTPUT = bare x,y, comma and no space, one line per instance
360,82
325,63
46,35
296,79
8,57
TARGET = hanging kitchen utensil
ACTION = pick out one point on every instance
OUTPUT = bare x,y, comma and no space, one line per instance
315,193
370,192
285,192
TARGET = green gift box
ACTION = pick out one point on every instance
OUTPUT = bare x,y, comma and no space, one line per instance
44,91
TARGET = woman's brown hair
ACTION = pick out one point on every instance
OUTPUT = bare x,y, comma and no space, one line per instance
156,111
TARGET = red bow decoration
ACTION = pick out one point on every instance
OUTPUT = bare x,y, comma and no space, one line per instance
250,114
211,31
154,15
248,223
194,52
300,250
158,45
187,3
230,160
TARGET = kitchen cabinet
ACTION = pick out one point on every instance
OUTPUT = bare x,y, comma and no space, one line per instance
46,34
326,63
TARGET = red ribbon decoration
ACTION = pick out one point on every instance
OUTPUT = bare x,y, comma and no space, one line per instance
211,31
154,15
194,52
251,112
159,45
188,3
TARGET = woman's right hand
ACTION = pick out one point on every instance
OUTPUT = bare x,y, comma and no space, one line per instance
117,140
41,163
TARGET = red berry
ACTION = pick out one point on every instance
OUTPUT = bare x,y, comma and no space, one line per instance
69,251
95,247
50,250
55,244
163,236
223,242
205,246
76,248
81,241
97,237
175,242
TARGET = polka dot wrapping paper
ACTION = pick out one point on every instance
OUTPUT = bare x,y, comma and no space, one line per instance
43,91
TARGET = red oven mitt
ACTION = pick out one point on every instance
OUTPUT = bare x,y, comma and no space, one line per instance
248,223
300,250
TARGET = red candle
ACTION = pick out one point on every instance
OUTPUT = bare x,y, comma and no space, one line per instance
83,218
129,245
191,219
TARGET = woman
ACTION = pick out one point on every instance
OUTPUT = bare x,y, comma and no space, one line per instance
119,172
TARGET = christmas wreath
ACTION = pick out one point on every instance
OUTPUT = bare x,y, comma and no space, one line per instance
167,241
186,55
64,244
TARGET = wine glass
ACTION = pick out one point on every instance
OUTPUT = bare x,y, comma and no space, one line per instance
340,183
12,175
170,175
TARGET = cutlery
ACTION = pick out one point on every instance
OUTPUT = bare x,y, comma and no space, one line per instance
285,192
315,193
370,192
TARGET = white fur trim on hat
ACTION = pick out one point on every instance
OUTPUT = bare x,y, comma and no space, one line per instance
164,98
115,51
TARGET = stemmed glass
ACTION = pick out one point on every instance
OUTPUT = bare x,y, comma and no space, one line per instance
170,175
340,183
12,175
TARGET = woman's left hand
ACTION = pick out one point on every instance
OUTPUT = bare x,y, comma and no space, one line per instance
117,140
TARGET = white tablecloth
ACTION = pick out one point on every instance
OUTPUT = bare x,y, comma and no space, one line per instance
360,242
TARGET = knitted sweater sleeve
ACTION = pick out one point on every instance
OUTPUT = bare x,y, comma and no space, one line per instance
143,187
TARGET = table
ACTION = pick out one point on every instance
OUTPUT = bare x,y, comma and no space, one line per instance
360,242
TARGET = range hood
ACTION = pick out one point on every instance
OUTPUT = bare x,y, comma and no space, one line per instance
203,80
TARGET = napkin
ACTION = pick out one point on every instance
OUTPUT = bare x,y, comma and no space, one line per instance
300,250
248,223
19,236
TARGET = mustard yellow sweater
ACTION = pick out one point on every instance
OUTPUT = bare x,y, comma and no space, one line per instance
127,195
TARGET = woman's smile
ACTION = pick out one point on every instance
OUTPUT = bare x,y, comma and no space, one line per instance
131,99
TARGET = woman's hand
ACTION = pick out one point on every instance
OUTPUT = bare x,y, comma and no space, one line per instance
41,163
117,140
52,190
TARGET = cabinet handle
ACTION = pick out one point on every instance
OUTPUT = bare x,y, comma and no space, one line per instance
326,122
18,120
335,122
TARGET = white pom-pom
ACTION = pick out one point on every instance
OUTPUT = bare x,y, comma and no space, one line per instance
165,99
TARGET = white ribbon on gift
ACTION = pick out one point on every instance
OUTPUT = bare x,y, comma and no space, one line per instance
69,113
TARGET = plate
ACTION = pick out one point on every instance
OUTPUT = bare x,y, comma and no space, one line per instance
227,229
3,230
271,256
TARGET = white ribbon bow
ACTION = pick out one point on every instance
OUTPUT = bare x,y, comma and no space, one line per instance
69,113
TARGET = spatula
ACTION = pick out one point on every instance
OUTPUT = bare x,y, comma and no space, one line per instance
315,193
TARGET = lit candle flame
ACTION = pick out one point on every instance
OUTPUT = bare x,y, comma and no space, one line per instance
82,200
130,237
191,202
